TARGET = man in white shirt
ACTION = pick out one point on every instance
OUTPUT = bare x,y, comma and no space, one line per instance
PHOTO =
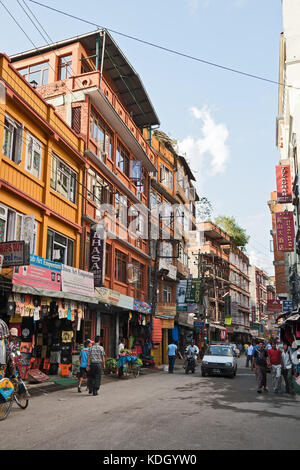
192,350
121,346
249,353
287,369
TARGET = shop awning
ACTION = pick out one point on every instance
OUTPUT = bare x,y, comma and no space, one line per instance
53,293
219,327
293,317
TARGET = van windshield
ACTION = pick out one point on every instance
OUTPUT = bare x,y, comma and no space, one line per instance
220,351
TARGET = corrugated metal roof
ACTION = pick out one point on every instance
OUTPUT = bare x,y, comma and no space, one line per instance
126,79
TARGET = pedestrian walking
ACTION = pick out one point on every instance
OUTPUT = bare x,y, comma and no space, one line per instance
172,348
96,357
287,369
83,363
260,360
248,353
296,357
275,360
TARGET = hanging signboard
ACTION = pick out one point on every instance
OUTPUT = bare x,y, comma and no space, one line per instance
287,305
283,183
193,291
285,232
97,253
15,253
172,274
180,296
274,306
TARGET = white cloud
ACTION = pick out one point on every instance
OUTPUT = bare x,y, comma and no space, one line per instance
209,154
261,261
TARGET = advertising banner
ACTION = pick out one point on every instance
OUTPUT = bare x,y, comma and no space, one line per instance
107,296
97,253
285,232
41,273
76,281
180,296
141,306
283,183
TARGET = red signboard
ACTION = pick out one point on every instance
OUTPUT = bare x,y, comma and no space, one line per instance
274,306
285,231
283,182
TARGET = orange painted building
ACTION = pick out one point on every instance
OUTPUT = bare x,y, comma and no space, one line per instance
109,113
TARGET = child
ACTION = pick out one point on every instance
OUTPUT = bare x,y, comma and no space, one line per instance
83,362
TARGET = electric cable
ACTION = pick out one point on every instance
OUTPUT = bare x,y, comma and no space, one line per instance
172,51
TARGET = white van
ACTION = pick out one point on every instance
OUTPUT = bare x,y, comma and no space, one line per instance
219,359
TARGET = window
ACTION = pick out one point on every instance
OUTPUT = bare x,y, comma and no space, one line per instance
138,274
122,159
137,221
63,179
120,266
76,119
33,155
15,226
102,136
108,261
121,209
37,73
85,67
167,293
165,176
59,248
167,215
12,139
99,190
65,67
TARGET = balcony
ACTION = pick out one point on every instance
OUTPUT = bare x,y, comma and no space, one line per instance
109,105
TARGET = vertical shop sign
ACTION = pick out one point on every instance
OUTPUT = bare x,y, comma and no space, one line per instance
283,183
285,231
97,253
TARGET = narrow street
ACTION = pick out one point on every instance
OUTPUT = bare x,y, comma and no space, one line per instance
159,411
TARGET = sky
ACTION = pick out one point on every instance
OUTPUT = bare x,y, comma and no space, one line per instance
224,122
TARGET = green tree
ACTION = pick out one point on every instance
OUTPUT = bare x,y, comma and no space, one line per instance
238,234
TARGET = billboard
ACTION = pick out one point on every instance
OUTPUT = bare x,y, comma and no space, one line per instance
41,273
76,281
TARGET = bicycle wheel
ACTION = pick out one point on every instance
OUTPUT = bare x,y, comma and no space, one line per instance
135,370
21,395
5,407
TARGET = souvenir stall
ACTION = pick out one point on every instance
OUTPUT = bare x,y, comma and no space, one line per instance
140,337
50,331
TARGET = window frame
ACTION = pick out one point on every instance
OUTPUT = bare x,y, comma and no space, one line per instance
65,66
69,243
35,144
70,177
16,140
42,71
121,260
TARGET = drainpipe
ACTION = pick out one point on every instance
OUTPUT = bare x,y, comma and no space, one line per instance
102,58
97,51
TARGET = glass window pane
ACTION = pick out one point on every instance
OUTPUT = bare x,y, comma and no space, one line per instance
49,244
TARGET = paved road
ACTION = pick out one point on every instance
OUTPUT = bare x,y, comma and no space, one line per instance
159,411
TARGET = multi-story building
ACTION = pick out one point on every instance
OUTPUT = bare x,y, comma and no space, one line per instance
172,217
287,141
258,294
95,89
41,174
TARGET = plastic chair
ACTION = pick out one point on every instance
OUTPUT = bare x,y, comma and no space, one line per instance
64,369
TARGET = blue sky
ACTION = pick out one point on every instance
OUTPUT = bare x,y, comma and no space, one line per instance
223,121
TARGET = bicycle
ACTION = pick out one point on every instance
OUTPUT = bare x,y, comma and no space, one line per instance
131,368
12,388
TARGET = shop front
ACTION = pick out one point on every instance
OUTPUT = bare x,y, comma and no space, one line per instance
46,307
